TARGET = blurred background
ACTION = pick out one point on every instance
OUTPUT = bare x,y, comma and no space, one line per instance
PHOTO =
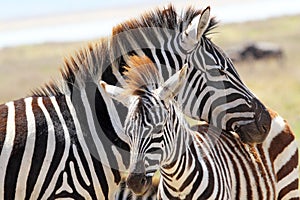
261,36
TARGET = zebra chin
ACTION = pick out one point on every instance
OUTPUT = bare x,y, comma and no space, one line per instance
251,134
139,183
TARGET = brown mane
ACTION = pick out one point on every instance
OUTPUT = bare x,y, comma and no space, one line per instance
141,75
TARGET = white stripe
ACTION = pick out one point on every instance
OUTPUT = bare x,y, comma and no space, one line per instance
285,156
28,152
292,176
66,150
172,51
65,185
152,48
77,185
114,116
277,126
168,66
80,166
49,152
292,194
98,143
8,145
85,149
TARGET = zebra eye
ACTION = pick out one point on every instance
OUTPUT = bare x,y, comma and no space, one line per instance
157,129
217,72
222,71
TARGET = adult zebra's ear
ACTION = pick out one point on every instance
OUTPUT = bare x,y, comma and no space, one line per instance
173,85
115,93
192,35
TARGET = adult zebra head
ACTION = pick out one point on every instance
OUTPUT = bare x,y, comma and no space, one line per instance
146,118
213,90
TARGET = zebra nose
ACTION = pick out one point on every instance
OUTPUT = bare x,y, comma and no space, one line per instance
139,183
256,131
262,118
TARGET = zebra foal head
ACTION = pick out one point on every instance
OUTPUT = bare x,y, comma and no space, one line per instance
145,95
213,90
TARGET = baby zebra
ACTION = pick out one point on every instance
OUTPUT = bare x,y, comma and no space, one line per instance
202,164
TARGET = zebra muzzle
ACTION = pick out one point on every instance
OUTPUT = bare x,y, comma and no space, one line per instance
258,130
139,183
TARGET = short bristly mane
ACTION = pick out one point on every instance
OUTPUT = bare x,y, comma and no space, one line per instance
142,75
87,64
164,18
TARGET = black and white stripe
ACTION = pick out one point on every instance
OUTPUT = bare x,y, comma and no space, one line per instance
48,151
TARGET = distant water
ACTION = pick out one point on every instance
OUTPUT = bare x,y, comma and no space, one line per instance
14,10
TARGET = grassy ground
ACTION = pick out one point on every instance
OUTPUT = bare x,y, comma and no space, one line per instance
276,84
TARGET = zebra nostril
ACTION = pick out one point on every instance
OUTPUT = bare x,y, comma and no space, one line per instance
143,181
265,129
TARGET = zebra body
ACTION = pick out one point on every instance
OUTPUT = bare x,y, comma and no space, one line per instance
45,155
205,164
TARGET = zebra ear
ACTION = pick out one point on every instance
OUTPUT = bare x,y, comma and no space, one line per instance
115,93
192,35
173,85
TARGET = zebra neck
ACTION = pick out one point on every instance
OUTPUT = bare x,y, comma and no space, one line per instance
179,137
100,126
175,174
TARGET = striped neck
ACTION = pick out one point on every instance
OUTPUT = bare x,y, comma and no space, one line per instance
177,139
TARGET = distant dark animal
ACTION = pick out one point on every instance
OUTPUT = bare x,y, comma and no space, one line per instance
256,50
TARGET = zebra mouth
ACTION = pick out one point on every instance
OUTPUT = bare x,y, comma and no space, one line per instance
139,183
252,133
258,128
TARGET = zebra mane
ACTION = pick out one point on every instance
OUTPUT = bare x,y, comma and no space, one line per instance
142,75
164,18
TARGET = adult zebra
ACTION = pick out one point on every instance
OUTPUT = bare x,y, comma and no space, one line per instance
202,164
213,90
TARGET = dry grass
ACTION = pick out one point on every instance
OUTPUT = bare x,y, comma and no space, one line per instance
27,67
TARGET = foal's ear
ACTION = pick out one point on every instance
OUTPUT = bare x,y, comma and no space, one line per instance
115,93
173,85
192,35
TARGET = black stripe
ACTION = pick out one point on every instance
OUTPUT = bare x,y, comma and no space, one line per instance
3,122
40,147
75,144
88,139
199,169
290,187
59,145
15,160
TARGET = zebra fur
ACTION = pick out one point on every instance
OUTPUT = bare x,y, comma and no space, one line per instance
204,164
